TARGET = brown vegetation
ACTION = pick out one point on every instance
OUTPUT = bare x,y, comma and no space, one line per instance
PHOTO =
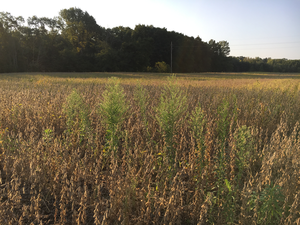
231,157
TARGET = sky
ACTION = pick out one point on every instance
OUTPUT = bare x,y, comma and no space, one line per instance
253,28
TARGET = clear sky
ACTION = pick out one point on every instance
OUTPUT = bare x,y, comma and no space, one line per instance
253,28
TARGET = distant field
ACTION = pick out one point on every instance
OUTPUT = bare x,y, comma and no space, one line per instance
128,75
148,148
194,79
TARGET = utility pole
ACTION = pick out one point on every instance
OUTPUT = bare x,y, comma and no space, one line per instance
171,56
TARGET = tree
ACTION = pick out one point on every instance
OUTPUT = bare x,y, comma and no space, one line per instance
9,45
162,67
9,22
224,47
79,28
38,38
220,50
84,34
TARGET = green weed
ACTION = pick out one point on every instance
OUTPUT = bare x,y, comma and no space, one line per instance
113,111
140,96
170,114
77,113
197,123
268,204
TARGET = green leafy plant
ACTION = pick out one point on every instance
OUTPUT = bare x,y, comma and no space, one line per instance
229,203
242,151
197,124
142,100
268,204
77,113
223,121
223,128
48,135
170,114
113,110
162,67
243,148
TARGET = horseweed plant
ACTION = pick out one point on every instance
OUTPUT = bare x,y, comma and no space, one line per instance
222,184
170,114
197,123
268,204
77,113
223,129
113,111
242,150
48,135
223,122
142,101
223,126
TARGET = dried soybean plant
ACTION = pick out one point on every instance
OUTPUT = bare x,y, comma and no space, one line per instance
74,151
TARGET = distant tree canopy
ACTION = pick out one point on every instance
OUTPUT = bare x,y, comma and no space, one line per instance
73,41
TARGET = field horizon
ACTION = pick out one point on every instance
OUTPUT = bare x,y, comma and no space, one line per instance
137,75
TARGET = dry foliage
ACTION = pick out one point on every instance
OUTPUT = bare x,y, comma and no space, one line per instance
232,158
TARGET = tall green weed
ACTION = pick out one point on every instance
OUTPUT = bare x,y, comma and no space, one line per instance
77,115
197,123
113,110
140,96
170,114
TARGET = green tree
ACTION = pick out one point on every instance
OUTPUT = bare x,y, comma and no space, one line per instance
162,67
38,39
224,48
84,34
220,50
79,28
9,42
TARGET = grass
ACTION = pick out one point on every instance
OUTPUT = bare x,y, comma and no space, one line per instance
212,148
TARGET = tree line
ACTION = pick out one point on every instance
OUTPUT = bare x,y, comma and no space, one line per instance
73,41
246,64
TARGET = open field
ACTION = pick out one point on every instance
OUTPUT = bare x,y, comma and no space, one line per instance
210,148
128,75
